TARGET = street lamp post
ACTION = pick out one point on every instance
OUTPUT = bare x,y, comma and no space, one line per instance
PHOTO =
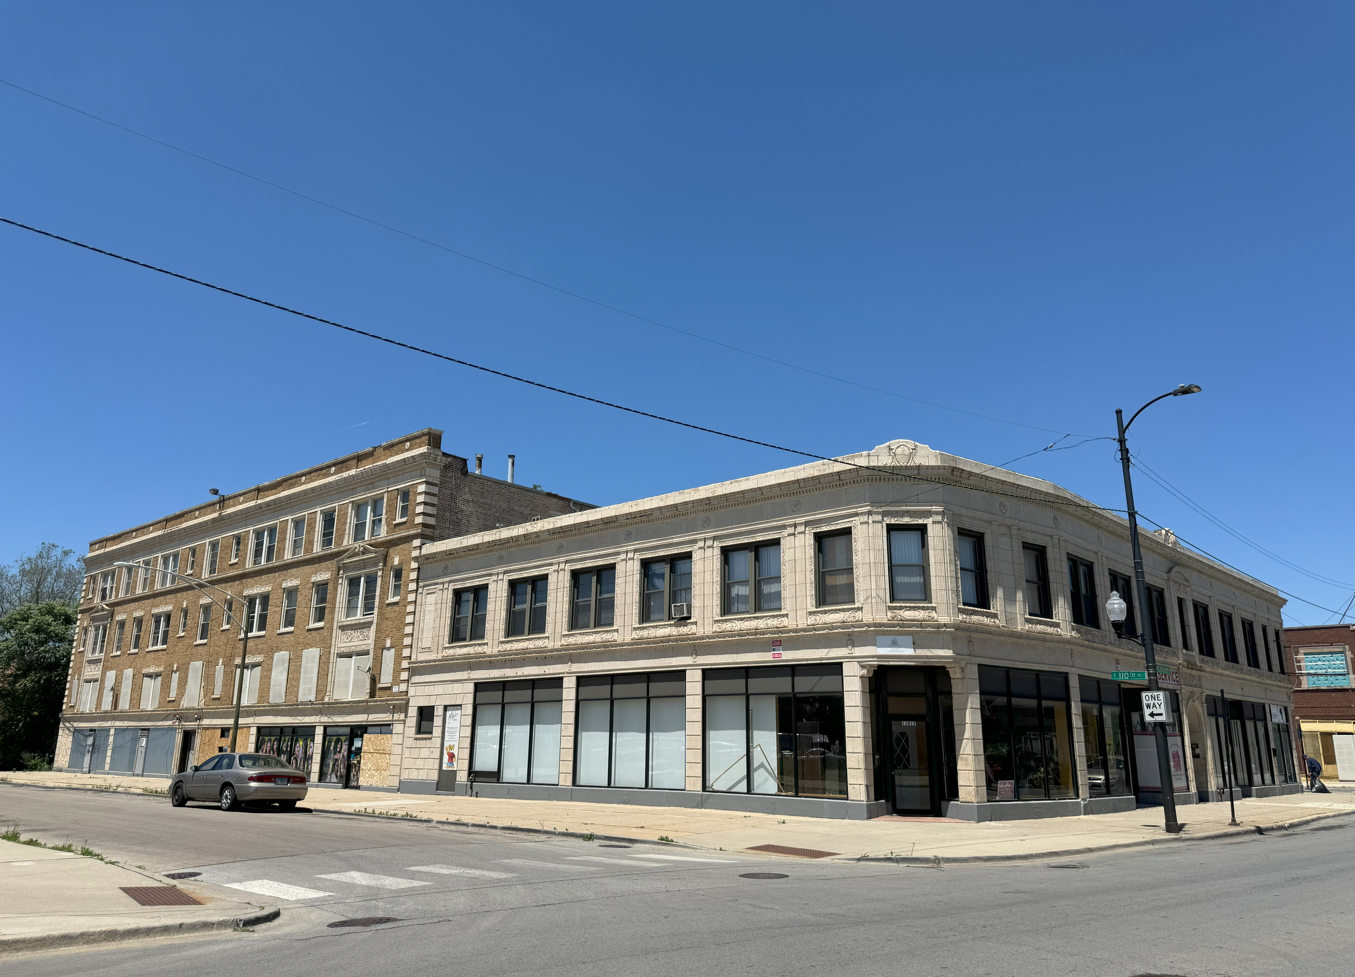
1116,611
229,613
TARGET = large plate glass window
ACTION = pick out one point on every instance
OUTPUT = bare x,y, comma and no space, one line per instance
1103,737
777,730
667,582
752,579
469,607
515,735
1082,587
294,744
1036,563
630,731
973,569
833,556
593,603
527,606
907,563
1027,741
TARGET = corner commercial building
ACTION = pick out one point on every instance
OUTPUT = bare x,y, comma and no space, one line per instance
908,632
319,566
1324,700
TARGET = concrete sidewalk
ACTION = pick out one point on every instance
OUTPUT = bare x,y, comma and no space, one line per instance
922,839
53,899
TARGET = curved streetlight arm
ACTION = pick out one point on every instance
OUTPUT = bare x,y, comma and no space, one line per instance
1180,391
229,612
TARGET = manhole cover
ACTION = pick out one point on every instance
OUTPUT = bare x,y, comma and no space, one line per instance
764,875
1067,865
796,852
613,846
159,895
182,875
363,921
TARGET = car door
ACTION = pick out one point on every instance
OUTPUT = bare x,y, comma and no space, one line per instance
195,780
225,773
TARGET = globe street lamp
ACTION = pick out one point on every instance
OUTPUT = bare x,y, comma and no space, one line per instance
1117,610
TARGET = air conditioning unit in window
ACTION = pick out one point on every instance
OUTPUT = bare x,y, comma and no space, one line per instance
680,612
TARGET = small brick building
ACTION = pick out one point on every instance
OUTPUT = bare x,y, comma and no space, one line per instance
1324,699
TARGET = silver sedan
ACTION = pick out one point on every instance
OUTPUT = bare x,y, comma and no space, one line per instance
232,779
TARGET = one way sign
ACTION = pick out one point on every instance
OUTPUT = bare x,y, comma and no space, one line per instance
1154,707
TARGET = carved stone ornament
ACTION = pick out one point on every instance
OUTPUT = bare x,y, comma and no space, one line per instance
705,522
590,637
628,535
1042,625
559,547
745,622
671,629
845,615
356,636
796,506
499,559
516,646
980,614
1002,507
1056,522
911,614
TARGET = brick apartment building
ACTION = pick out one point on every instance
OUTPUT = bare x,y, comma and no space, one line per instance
1324,701
319,566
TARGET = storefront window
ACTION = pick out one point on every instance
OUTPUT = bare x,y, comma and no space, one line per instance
515,737
1103,738
1282,745
295,744
1144,739
1027,723
779,730
631,731
334,755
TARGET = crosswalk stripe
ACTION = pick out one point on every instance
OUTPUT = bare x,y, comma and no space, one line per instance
686,858
631,862
278,890
528,861
475,873
378,881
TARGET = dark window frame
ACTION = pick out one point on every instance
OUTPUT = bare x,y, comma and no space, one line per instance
1228,637
820,570
1070,745
595,600
1181,619
667,562
529,610
477,594
1204,630
611,698
1158,617
423,722
894,598
1249,646
482,695
1270,665
1082,592
1042,589
755,577
982,597
1131,618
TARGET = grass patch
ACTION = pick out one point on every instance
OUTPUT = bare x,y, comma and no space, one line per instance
588,837
666,838
12,834
155,790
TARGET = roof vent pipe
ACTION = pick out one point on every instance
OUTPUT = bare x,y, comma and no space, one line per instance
512,459
479,464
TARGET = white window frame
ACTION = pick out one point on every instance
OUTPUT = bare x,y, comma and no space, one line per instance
236,544
263,546
297,545
183,621
192,559
365,595
323,606
106,581
250,685
159,633
213,557
138,625
151,684
367,517
256,614
396,585
333,515
204,624
147,567
126,582
98,637
119,632
290,597
402,505
167,572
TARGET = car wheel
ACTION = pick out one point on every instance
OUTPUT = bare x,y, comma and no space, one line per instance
177,797
229,802
287,805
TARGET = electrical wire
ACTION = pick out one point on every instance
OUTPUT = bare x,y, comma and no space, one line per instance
533,383
519,275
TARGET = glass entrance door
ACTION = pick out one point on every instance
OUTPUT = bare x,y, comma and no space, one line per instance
909,757
913,766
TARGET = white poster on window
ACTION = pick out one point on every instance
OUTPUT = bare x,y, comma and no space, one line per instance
451,736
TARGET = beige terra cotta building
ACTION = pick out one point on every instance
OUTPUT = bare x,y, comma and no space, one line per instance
318,563
899,631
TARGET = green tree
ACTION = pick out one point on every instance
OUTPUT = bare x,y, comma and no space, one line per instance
35,578
35,655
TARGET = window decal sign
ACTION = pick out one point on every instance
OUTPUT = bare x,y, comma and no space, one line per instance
451,736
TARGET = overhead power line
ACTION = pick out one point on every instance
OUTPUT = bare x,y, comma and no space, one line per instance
522,276
524,380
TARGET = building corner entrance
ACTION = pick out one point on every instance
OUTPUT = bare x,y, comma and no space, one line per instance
915,769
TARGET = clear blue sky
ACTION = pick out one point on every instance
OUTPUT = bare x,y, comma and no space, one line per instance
1039,212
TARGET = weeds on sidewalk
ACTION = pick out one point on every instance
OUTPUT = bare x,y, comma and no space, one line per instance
384,814
155,790
12,834
666,838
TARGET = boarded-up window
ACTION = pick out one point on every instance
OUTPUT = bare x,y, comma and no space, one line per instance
277,682
310,669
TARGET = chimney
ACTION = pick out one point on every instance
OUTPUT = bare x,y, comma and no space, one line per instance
479,464
511,460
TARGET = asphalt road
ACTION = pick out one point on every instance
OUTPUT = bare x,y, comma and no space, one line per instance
473,902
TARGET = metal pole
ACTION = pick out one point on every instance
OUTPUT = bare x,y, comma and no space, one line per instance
240,675
1228,767
1165,779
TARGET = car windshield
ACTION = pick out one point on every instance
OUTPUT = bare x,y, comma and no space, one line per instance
260,760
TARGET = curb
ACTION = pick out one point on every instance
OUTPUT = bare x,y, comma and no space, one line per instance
936,861
54,941
87,790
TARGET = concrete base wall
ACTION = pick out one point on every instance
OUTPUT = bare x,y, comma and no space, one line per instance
1274,790
1154,797
1027,810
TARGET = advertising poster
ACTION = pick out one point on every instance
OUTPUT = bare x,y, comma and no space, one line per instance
451,736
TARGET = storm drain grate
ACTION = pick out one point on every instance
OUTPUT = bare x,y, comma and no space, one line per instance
182,875
796,852
764,875
363,921
159,895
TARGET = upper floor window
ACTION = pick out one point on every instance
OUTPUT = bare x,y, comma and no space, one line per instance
468,614
1249,644
327,529
1265,638
213,556
752,579
288,609
204,621
159,630
402,506
183,621
1157,614
319,602
397,583
667,589
235,547
368,518
1181,620
1124,586
256,613
169,570
98,636
527,606
1227,638
1038,603
907,563
126,581
1204,633
298,543
361,597
147,566
192,559
835,581
1279,650
121,629
1082,584
594,601
106,584
265,546
973,569
136,633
